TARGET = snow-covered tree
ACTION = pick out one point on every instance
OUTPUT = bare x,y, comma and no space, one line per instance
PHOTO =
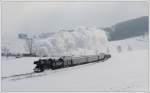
129,48
107,50
119,49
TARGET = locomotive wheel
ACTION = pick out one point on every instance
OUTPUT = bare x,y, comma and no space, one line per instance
53,68
38,70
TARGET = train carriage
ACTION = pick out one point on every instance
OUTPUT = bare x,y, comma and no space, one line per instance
79,60
67,61
93,58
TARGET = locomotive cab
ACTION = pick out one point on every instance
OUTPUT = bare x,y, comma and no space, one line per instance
55,64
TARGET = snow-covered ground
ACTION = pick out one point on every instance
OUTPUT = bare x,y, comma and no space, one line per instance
123,72
126,45
126,70
13,66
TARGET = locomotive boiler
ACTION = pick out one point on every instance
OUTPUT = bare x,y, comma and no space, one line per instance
68,61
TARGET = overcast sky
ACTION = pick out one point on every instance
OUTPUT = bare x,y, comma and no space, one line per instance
37,17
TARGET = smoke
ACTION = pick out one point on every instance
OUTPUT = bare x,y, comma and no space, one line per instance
76,41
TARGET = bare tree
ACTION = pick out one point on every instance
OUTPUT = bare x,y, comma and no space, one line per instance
5,51
29,45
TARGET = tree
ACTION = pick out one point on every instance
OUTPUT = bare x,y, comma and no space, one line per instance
29,46
107,50
29,42
5,51
129,48
119,49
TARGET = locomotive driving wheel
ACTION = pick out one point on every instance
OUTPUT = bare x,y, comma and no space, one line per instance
38,69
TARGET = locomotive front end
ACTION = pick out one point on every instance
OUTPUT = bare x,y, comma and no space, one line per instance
41,65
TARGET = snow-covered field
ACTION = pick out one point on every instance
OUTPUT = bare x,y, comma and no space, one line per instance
131,44
126,70
13,66
123,72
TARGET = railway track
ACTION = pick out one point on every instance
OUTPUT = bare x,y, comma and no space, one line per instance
22,76
34,74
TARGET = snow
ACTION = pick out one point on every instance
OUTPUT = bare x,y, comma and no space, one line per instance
122,72
12,66
131,44
126,70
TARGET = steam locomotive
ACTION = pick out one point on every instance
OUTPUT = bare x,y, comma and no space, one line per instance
67,61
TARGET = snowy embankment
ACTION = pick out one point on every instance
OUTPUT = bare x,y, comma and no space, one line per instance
122,72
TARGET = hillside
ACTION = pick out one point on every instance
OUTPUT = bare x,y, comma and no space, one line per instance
127,29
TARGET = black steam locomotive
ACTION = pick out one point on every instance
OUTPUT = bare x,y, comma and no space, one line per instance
68,61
